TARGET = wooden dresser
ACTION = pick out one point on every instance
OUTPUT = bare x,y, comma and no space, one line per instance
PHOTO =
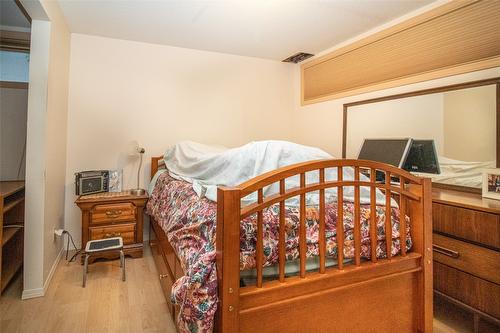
111,215
467,257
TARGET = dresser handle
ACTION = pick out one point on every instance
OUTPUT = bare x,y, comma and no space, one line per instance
162,276
113,213
445,251
114,234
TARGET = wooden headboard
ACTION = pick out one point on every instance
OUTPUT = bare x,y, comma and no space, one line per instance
157,163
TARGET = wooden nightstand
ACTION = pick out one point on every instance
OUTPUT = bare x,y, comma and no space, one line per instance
107,215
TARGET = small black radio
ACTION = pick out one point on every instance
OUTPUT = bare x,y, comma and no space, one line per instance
89,182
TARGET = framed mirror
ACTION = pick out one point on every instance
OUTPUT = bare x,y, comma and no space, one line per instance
463,120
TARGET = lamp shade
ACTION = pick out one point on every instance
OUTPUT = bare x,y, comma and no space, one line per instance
133,149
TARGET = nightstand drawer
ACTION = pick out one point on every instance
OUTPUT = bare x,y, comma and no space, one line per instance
473,259
126,231
113,213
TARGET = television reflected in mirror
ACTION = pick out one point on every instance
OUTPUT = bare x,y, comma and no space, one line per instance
422,157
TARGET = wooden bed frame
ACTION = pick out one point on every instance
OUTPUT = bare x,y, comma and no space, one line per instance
381,295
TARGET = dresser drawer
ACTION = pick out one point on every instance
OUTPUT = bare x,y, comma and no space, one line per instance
468,289
473,259
475,226
113,213
126,231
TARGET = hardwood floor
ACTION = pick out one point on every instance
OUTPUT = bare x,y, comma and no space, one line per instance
107,304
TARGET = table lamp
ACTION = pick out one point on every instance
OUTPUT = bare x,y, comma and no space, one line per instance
136,149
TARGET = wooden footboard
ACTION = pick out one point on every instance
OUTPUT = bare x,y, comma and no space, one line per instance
380,295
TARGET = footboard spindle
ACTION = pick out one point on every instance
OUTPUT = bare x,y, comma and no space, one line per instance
402,219
282,240
357,220
322,232
373,217
260,242
388,218
302,235
340,219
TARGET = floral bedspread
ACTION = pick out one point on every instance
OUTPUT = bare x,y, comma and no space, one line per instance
189,223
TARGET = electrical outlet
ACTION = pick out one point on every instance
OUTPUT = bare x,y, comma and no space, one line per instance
58,232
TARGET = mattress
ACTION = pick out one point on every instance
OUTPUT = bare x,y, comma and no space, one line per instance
189,223
248,277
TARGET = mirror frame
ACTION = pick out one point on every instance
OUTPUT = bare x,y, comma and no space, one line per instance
472,84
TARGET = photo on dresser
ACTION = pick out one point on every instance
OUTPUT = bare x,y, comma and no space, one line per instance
491,183
115,180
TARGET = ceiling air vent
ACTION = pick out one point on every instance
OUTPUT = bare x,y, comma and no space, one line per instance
298,57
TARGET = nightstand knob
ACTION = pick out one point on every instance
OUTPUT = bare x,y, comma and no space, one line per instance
162,276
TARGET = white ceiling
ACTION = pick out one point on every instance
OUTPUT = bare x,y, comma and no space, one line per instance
11,15
273,29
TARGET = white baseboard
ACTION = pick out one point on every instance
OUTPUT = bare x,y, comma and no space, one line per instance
39,292
52,270
32,293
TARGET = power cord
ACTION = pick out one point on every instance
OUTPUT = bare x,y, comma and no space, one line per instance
70,238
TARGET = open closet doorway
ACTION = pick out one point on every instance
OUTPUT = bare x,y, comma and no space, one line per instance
15,32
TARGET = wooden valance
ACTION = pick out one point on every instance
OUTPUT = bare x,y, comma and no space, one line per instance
456,38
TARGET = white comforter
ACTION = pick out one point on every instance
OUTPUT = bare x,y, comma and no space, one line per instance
455,172
206,167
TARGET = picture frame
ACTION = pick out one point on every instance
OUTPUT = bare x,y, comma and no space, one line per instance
115,180
491,183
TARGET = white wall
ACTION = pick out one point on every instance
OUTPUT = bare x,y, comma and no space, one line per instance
35,160
46,143
13,112
120,91
418,117
56,132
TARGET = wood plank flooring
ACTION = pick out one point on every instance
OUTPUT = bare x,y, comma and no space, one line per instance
107,304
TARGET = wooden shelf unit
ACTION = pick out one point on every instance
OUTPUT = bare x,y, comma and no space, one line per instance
12,204
9,233
11,230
